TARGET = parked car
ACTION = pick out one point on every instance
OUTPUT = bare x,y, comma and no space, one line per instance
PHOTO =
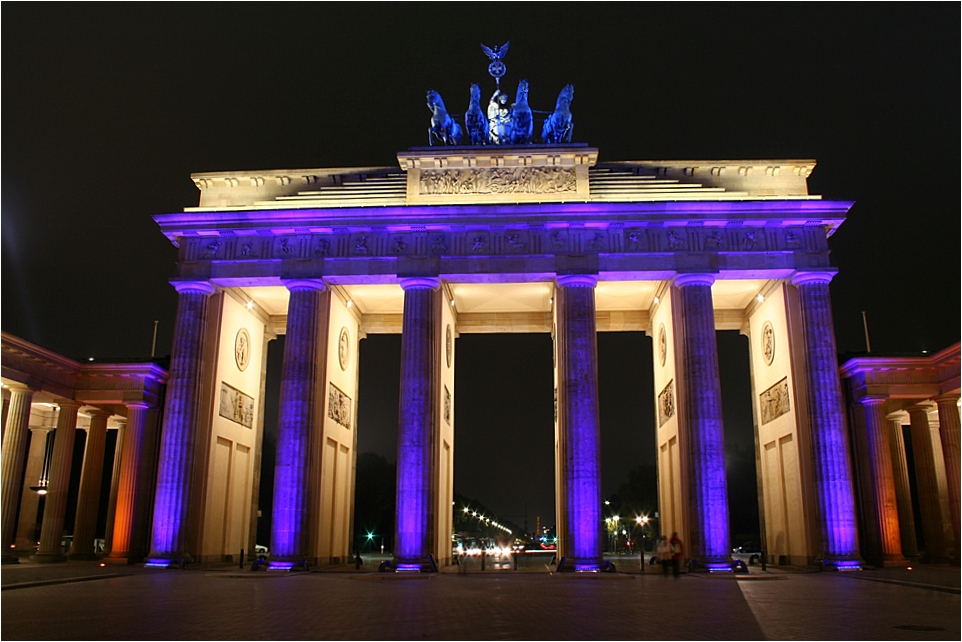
749,553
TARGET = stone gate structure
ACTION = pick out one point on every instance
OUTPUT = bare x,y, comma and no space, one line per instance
500,239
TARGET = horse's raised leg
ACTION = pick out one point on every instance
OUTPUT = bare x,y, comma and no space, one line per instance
430,138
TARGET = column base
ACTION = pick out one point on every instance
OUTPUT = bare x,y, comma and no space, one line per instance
168,561
48,558
9,558
288,565
422,565
843,564
713,565
122,558
576,565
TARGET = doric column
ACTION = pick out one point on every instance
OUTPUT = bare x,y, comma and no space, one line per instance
949,433
930,509
833,471
169,535
114,486
578,415
708,486
903,492
290,525
129,476
883,481
419,347
88,501
55,503
4,412
13,458
30,499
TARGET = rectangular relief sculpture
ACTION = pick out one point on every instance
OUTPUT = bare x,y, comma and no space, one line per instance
236,406
774,402
339,407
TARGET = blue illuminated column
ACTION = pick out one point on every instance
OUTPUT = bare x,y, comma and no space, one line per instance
14,458
701,396
833,472
578,418
883,479
290,526
175,463
420,345
55,503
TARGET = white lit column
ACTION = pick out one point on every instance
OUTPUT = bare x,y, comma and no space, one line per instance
14,456
30,499
930,508
949,434
88,501
55,503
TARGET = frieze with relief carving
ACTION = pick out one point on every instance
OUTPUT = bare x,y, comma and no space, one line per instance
666,403
339,406
498,180
627,239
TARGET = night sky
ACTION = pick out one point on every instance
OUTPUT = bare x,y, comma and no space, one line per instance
108,109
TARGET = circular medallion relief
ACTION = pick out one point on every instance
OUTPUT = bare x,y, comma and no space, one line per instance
662,344
448,345
242,349
768,342
344,348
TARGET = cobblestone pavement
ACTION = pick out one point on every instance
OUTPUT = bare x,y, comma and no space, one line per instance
225,603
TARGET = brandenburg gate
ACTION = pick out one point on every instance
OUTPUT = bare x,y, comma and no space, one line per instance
499,238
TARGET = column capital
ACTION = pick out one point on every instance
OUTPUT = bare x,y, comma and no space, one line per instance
99,413
951,398
22,388
873,400
68,404
805,278
199,287
681,280
576,280
143,405
304,284
420,283
920,407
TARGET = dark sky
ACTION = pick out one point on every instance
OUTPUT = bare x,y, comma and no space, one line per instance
107,109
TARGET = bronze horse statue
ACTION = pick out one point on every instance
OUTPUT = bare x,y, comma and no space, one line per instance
443,128
474,119
522,120
558,126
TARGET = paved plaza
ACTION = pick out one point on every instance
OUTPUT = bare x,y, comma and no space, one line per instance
86,601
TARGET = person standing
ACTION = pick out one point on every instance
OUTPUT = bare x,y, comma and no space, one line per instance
664,554
677,553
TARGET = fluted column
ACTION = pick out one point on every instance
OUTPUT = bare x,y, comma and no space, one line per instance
949,434
13,459
708,486
88,501
129,476
883,481
903,492
55,503
834,487
30,499
114,486
290,524
419,347
930,509
4,412
578,413
169,535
